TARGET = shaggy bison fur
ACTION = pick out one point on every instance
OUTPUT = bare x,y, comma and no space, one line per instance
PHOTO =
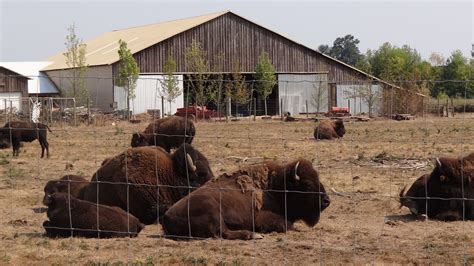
250,200
146,181
329,129
17,131
169,132
69,216
449,188
70,184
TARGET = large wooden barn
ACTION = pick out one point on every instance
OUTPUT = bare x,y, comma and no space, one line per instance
300,70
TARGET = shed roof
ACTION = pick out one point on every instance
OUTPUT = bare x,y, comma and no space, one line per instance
37,82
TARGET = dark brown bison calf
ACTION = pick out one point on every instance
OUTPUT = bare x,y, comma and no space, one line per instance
330,129
69,216
146,181
262,198
447,193
69,184
169,132
17,131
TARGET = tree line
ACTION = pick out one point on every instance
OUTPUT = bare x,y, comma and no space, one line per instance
403,66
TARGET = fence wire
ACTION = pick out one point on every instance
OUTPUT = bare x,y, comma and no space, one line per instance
250,139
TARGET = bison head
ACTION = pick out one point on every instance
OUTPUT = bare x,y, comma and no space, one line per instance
307,196
415,198
189,162
53,187
339,128
139,140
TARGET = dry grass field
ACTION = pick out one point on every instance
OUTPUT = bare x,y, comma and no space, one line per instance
363,224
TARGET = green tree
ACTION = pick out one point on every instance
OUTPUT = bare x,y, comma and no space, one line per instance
344,49
324,49
455,75
75,56
241,90
128,73
197,64
265,77
169,83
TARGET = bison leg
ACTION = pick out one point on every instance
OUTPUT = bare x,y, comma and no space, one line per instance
16,147
449,215
203,220
266,222
44,145
239,234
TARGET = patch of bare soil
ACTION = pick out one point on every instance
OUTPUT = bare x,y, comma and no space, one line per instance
363,173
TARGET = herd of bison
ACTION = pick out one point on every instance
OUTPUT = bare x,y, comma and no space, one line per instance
163,178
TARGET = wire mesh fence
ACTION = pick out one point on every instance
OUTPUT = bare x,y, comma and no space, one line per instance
248,179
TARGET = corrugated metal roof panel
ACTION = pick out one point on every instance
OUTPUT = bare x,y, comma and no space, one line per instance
102,50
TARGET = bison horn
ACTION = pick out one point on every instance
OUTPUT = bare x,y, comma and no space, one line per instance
190,162
297,178
438,162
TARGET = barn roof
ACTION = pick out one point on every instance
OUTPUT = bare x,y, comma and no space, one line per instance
102,50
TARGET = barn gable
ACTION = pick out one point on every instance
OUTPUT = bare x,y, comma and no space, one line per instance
241,41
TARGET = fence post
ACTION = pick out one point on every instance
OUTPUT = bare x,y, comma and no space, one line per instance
88,113
281,106
254,109
5,109
307,111
163,106
50,110
11,110
75,112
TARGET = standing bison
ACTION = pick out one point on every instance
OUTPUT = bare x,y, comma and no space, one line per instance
146,181
261,198
169,132
447,193
17,131
329,129
69,216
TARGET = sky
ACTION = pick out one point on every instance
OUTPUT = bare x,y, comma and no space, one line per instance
36,30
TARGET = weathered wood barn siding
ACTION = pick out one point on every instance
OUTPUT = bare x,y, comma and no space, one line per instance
13,82
241,42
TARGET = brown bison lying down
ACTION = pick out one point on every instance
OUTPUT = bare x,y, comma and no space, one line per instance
69,216
156,180
169,132
17,131
70,184
250,200
329,129
440,194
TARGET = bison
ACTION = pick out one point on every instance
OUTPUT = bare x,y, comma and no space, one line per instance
447,193
69,216
329,129
263,198
146,181
17,131
169,132
71,184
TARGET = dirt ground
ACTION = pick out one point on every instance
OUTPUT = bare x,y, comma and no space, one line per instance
363,224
